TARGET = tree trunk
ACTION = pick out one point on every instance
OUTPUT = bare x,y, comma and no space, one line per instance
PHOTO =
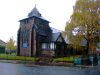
87,48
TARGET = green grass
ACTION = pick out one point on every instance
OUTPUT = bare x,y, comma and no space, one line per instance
66,59
23,58
11,57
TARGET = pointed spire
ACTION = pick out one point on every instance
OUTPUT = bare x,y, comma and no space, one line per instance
34,12
35,5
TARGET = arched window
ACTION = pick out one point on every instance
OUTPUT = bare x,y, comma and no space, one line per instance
25,38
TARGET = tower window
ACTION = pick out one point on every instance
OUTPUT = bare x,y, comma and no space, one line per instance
26,21
24,37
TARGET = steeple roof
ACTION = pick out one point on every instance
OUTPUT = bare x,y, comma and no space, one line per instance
35,13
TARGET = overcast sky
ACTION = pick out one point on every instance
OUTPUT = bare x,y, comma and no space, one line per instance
11,11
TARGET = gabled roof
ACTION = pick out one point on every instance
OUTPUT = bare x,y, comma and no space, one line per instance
55,34
53,37
55,30
2,43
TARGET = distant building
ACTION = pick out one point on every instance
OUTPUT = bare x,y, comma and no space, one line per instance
36,37
2,43
2,46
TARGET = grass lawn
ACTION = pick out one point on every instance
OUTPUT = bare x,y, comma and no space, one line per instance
66,59
13,57
23,58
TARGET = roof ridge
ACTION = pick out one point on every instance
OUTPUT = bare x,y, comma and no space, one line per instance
2,41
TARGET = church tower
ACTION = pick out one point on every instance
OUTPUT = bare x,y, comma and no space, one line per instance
31,33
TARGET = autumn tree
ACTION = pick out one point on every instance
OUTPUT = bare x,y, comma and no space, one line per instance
11,44
84,24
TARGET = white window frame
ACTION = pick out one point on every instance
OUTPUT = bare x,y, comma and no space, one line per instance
44,45
52,45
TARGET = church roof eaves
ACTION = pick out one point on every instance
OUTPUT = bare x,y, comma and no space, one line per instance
34,13
32,17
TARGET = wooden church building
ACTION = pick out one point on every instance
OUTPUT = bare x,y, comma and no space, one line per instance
36,37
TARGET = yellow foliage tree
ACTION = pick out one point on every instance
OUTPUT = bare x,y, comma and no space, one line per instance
11,44
85,24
